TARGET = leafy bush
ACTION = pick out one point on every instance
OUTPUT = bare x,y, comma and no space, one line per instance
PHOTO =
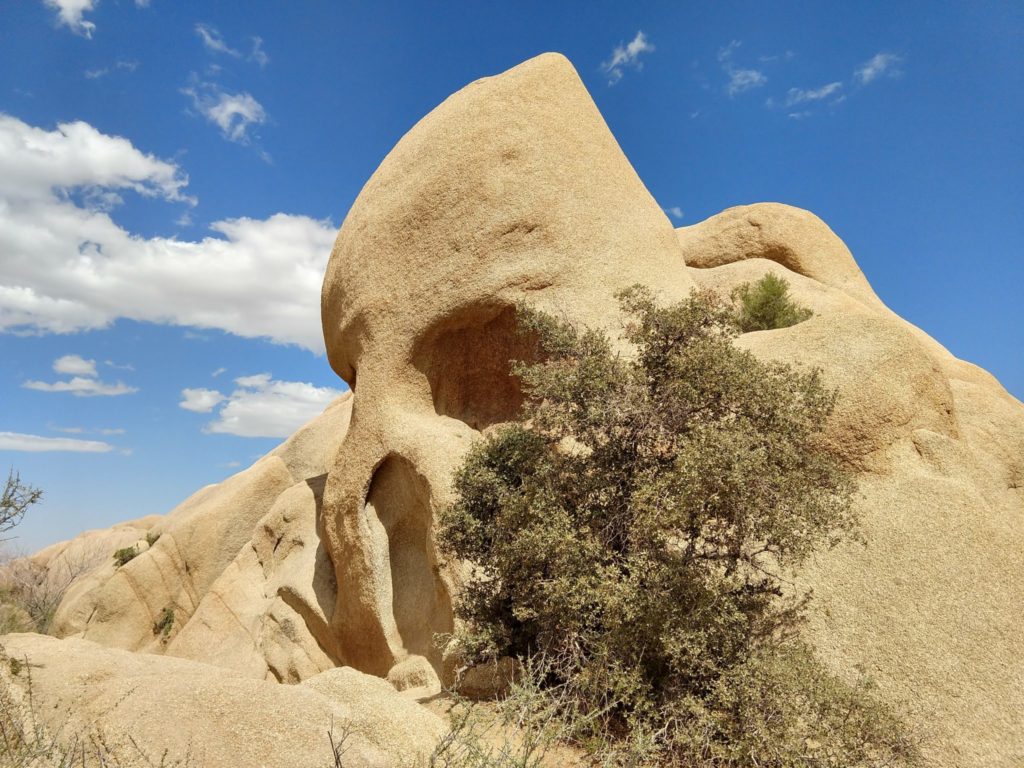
125,555
162,626
766,305
637,530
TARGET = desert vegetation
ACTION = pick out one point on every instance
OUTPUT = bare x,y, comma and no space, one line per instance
766,305
15,500
632,541
31,591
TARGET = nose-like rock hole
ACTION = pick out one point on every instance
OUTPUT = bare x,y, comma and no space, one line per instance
468,365
400,497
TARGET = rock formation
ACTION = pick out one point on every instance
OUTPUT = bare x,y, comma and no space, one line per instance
137,709
322,553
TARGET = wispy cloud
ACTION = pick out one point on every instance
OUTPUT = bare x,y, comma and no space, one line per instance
71,14
879,65
234,113
258,54
213,41
17,441
675,212
800,96
83,430
626,55
740,78
125,66
787,56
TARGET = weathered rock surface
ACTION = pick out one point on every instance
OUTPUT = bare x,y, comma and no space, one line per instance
513,189
933,607
240,565
323,552
792,237
180,712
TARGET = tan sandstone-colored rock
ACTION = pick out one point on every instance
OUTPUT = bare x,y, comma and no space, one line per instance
794,238
57,573
513,189
242,557
189,713
933,606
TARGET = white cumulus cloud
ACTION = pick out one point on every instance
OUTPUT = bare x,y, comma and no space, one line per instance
262,406
82,386
75,365
881,64
68,266
200,400
16,441
84,381
627,55
34,162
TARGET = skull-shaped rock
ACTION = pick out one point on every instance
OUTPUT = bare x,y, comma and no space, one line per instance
512,189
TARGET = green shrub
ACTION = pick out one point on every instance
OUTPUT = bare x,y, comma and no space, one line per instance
162,626
766,305
637,531
125,555
152,538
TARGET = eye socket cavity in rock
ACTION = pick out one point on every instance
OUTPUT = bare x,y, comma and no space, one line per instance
467,362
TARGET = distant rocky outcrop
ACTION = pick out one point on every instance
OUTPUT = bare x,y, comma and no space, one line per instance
322,553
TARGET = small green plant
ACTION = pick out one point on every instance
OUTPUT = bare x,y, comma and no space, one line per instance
766,305
125,555
152,538
162,626
16,666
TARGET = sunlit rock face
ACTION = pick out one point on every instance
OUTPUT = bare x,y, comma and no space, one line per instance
323,553
512,190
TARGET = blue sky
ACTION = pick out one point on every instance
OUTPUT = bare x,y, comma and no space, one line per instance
172,175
